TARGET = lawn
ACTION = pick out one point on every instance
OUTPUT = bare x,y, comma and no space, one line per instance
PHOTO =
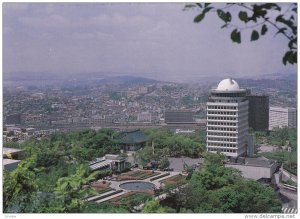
131,199
174,180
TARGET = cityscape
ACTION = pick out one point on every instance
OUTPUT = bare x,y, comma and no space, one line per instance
114,135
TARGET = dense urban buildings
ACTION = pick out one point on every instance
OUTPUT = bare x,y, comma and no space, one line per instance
258,112
62,105
13,119
227,119
282,117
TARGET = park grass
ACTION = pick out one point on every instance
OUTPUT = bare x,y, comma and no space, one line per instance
174,180
131,199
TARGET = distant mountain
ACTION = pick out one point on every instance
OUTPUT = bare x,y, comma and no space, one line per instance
284,83
30,76
71,80
273,76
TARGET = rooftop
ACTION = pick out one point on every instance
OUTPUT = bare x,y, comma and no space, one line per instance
10,151
132,137
258,161
228,85
10,161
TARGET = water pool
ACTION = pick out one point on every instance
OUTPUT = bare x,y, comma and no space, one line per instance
137,186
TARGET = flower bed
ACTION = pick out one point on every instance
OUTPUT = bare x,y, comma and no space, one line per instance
136,175
101,186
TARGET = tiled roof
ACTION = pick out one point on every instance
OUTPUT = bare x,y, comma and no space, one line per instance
132,137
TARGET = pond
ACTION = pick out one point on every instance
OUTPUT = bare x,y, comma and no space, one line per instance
137,186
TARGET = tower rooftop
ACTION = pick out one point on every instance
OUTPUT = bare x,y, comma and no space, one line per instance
228,84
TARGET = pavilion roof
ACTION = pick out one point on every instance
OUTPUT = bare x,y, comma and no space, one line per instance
132,137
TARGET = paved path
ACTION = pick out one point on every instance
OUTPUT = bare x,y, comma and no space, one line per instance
111,197
288,193
266,148
178,163
289,210
101,195
159,197
288,175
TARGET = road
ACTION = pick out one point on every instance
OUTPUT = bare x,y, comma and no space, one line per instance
178,163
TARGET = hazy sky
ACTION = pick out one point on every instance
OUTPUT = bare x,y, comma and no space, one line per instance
153,40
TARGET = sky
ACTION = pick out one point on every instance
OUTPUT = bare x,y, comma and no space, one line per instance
153,40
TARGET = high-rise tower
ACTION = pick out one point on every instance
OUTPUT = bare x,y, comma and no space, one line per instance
227,119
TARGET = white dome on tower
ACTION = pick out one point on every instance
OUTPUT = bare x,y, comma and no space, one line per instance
228,84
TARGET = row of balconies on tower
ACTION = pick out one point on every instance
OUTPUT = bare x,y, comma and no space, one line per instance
229,152
222,144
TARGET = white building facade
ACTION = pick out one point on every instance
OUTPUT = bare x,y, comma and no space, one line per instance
280,117
144,117
227,120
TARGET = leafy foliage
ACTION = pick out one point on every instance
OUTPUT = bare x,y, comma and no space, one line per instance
136,199
153,206
164,163
19,187
105,208
71,190
217,189
281,137
166,143
253,16
52,176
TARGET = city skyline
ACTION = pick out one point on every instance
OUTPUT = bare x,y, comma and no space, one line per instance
154,40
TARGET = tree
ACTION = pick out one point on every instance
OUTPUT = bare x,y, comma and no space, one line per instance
167,143
214,174
164,163
105,208
259,17
153,206
219,189
144,156
20,187
70,191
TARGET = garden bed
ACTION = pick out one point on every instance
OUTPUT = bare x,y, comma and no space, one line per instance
174,180
131,199
160,176
101,186
136,175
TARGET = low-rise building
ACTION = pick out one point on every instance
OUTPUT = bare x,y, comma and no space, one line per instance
11,158
179,117
144,117
112,162
280,117
256,168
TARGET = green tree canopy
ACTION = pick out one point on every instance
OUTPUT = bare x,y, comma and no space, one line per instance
153,206
20,187
217,189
